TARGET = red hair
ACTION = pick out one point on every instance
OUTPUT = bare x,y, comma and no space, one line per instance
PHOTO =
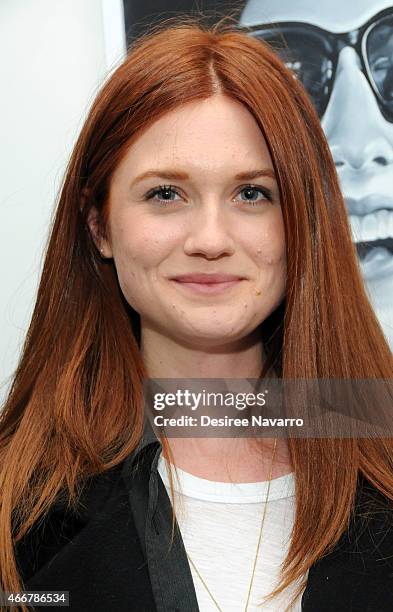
75,407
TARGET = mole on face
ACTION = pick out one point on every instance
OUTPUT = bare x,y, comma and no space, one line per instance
267,260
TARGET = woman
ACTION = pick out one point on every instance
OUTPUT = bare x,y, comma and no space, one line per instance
201,155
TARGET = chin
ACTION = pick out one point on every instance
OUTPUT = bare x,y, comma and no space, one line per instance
210,336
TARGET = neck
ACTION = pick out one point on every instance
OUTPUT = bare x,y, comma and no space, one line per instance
220,459
230,459
166,357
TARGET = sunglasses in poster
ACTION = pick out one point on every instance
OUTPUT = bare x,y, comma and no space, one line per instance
312,54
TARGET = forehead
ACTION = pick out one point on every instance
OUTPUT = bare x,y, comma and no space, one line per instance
216,134
333,15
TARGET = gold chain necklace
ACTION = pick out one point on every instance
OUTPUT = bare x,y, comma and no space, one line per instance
259,541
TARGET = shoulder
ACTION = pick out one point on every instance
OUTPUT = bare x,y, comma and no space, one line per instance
96,552
100,496
357,573
370,531
103,507
368,538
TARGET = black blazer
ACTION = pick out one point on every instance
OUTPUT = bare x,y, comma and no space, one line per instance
104,554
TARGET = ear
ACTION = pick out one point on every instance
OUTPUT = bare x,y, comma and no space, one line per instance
95,227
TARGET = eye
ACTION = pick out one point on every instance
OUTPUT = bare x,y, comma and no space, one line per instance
165,193
253,193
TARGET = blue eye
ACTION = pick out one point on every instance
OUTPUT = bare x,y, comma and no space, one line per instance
252,191
165,192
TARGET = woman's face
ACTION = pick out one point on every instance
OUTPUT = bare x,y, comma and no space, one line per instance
178,206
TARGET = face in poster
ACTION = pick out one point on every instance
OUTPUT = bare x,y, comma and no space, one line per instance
343,54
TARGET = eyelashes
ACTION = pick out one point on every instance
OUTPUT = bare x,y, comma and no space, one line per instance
169,190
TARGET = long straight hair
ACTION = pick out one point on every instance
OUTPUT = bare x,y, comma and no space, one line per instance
75,407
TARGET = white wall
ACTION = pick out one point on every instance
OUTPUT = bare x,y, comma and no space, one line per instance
54,55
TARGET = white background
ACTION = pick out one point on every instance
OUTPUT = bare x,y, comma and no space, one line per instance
54,56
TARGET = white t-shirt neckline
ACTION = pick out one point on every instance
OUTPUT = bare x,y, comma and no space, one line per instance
228,492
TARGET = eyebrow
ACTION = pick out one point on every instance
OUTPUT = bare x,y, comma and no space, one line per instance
178,175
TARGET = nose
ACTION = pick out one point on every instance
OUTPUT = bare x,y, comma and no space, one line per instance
358,134
210,235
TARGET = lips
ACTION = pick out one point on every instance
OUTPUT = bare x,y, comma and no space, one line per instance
207,278
362,205
207,284
370,216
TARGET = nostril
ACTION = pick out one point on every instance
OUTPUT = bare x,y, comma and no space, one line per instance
339,164
381,161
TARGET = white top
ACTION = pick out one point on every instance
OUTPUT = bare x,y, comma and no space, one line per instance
220,523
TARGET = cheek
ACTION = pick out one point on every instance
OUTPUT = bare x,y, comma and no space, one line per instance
137,244
270,251
138,250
